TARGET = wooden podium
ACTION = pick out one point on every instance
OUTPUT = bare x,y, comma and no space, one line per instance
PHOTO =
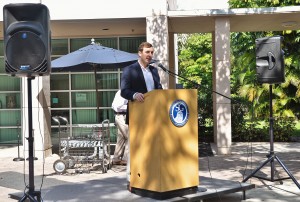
163,154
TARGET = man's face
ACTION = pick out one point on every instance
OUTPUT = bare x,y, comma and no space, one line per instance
146,55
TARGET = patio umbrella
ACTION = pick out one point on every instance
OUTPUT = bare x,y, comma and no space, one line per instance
88,57
93,57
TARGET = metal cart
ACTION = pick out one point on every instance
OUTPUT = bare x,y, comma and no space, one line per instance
83,150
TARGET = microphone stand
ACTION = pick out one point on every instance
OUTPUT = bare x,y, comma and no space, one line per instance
195,83
18,158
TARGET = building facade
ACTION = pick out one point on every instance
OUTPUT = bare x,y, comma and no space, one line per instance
123,25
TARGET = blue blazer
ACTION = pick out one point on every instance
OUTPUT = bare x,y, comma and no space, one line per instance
133,81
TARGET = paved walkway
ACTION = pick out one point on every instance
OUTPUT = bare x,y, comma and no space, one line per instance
111,186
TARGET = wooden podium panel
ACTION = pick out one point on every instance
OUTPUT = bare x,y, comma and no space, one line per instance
163,157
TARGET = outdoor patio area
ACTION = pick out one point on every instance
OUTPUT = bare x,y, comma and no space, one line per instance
111,186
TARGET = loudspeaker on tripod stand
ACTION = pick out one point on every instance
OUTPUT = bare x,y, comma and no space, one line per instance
27,39
270,69
269,60
27,52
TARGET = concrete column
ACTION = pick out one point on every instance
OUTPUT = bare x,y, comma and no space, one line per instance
158,36
221,84
172,65
44,98
41,122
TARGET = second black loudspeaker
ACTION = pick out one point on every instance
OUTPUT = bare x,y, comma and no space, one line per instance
269,60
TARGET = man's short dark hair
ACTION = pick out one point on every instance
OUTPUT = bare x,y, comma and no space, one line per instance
144,45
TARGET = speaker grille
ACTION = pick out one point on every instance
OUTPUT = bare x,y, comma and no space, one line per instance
25,53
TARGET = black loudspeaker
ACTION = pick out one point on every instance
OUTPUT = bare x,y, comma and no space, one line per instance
27,39
269,60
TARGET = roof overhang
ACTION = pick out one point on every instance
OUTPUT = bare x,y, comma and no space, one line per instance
241,20
192,21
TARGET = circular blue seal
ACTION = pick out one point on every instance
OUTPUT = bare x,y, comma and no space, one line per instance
179,113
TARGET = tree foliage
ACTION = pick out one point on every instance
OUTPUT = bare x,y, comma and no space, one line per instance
195,63
261,3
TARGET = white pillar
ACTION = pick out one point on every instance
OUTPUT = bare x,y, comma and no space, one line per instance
221,84
157,35
41,123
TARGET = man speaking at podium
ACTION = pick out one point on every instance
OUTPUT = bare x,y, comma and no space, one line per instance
138,79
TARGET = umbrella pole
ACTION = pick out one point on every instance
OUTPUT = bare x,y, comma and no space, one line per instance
97,95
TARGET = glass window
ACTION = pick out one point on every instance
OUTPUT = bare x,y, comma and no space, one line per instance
2,65
107,69
130,44
60,100
113,134
1,48
10,104
106,98
76,44
107,114
8,83
107,81
10,117
10,101
88,116
59,46
10,135
59,82
83,81
108,42
84,99
84,116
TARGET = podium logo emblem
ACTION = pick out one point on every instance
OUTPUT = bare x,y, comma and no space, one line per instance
179,113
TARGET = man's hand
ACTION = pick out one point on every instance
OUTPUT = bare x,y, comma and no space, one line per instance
139,97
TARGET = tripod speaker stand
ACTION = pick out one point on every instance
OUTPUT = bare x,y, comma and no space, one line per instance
31,194
272,156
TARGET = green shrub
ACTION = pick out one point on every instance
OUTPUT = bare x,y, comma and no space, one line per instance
259,130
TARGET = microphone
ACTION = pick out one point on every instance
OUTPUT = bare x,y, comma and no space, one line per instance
154,64
162,67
